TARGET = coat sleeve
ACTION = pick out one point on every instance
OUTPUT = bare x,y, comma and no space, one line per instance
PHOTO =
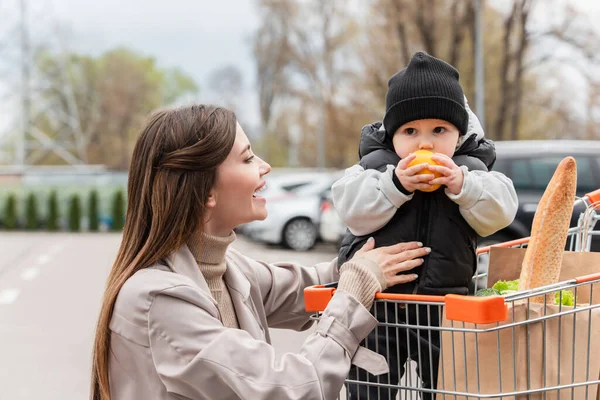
367,199
487,201
197,358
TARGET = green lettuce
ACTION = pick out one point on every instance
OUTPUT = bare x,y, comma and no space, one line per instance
487,292
568,298
503,286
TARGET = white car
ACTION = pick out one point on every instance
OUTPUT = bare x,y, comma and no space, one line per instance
331,227
293,218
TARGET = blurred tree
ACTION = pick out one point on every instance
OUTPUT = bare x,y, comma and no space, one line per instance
118,211
305,64
273,53
75,214
93,211
31,213
10,221
53,214
99,103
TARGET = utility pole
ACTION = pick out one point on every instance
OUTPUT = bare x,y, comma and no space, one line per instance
321,137
21,145
479,69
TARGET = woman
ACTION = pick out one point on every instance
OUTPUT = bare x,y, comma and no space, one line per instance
185,316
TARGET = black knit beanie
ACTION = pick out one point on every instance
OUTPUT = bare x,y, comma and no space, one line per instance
426,88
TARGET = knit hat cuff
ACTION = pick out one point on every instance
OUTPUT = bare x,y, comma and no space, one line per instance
431,107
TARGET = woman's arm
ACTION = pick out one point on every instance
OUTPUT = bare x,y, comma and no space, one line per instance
197,358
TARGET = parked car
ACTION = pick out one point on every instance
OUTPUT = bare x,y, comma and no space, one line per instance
530,164
280,187
331,227
294,217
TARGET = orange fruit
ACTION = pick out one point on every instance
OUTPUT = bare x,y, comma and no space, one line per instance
424,156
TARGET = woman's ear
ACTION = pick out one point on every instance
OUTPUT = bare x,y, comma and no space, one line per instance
211,202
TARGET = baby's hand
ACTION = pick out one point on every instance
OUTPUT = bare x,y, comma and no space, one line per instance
409,177
452,175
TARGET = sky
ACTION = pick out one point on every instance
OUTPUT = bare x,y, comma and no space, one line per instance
196,36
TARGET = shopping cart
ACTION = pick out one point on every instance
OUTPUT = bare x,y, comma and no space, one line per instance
497,347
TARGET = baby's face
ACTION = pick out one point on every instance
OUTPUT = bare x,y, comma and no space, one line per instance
434,135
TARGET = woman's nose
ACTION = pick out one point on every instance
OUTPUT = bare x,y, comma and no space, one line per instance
265,168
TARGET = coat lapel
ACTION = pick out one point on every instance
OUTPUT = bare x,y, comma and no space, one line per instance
182,262
240,292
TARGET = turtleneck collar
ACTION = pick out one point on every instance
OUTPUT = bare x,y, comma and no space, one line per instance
210,249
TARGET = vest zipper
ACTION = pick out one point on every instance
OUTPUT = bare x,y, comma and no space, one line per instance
423,232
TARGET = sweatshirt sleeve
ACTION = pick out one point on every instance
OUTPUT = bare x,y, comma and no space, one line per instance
488,201
366,200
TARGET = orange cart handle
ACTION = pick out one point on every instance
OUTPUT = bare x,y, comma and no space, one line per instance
588,278
511,243
473,309
594,197
477,310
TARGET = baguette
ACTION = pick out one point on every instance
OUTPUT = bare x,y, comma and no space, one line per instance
543,257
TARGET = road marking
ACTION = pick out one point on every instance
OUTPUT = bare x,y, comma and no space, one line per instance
43,259
30,273
8,296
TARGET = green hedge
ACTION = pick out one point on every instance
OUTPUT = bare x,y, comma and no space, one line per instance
118,211
75,214
93,214
10,220
32,221
53,212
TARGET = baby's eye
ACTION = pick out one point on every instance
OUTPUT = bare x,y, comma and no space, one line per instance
410,131
439,129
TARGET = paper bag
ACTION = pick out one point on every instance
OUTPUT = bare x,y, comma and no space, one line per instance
513,359
505,264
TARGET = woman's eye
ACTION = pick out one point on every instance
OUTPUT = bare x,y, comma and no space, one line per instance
439,129
249,159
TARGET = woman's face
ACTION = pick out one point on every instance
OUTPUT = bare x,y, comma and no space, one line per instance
234,199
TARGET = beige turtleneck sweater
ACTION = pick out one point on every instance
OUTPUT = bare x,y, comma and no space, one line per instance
209,252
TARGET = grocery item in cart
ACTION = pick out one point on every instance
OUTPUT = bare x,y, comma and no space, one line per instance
543,257
539,346
505,263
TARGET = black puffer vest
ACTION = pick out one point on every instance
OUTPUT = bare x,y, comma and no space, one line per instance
431,218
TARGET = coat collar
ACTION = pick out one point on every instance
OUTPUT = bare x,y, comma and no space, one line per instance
182,262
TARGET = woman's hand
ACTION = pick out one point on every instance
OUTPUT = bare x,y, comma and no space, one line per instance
395,259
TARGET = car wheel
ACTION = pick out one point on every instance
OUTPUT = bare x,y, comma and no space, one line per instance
483,260
300,234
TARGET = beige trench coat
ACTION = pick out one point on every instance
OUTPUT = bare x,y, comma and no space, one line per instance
167,341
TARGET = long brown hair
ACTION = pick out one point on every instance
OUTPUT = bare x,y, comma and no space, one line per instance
172,171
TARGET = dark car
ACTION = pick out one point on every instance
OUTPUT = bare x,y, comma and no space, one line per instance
530,164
